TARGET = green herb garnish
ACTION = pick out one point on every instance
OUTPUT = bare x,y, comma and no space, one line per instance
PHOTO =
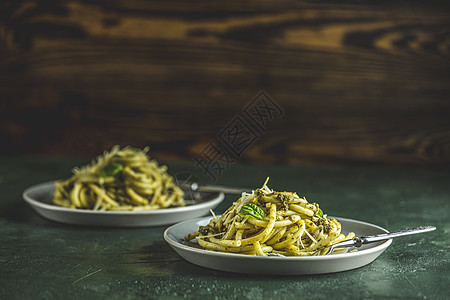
320,213
111,170
254,211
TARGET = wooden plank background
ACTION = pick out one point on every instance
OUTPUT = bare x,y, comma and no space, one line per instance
360,82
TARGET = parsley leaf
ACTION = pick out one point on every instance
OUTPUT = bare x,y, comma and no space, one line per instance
320,213
111,170
254,211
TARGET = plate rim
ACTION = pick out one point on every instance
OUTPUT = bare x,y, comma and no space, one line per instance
217,199
378,248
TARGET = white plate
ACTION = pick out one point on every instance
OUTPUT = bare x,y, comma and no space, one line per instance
40,196
271,265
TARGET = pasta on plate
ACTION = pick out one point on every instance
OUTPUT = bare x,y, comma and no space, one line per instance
266,221
122,179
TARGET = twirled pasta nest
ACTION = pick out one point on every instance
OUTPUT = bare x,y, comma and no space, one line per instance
122,179
265,222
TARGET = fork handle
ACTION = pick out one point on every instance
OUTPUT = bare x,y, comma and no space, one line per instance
386,236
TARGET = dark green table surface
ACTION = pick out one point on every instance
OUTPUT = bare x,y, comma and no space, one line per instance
41,259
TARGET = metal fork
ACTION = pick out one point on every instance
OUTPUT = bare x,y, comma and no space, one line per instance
359,241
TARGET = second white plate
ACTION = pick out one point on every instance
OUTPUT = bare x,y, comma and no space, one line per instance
271,265
40,196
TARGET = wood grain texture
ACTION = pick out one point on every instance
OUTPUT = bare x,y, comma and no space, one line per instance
359,81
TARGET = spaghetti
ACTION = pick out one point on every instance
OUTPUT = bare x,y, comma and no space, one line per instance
122,179
265,222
